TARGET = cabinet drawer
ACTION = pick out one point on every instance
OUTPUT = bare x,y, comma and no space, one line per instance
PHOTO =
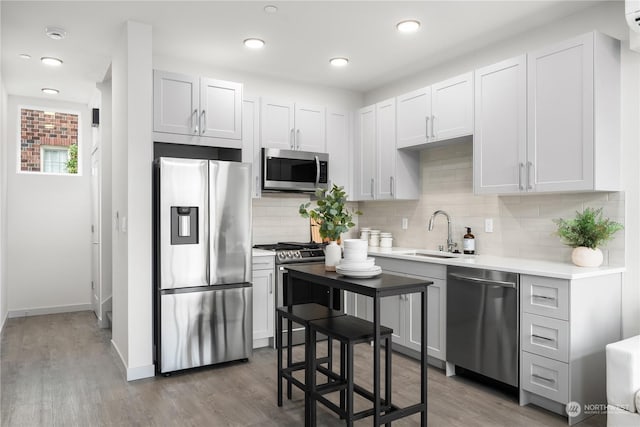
545,377
545,336
545,296
414,268
263,263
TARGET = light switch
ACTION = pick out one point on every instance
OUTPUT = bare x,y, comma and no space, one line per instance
405,223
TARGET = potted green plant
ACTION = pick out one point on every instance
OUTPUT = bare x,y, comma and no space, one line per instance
585,233
334,219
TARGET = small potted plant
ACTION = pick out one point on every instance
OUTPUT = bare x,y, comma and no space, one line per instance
334,219
585,233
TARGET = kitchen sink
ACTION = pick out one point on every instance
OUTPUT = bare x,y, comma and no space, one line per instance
433,256
426,254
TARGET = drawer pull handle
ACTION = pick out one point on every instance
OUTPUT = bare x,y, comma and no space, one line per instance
542,338
539,377
544,297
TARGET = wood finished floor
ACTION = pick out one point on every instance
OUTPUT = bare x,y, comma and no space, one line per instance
61,370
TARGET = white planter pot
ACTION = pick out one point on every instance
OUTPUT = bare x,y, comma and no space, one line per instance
332,255
586,257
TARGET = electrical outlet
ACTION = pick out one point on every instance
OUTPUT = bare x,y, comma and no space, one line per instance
405,223
488,225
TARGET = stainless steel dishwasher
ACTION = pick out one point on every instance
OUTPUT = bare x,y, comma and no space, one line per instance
482,322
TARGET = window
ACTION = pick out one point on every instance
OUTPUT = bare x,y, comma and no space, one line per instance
49,141
54,159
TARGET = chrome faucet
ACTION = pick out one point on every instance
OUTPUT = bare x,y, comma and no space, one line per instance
450,243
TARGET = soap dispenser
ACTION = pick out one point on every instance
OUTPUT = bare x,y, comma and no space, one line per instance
469,243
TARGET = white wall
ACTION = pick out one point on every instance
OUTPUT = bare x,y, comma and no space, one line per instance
131,200
48,229
609,19
3,197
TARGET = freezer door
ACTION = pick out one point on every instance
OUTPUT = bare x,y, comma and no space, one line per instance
229,222
205,327
183,211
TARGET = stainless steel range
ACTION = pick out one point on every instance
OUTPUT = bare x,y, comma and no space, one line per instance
299,253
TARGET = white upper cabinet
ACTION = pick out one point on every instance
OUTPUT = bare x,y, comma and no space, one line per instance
310,128
365,153
574,115
500,136
385,148
220,109
436,113
277,124
414,113
195,110
452,108
290,126
572,109
175,103
340,150
381,170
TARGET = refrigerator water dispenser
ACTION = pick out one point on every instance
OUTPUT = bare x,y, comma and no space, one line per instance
184,225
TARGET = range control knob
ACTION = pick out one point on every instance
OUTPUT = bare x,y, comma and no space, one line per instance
281,255
296,254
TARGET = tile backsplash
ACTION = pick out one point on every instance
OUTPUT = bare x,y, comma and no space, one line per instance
276,219
522,225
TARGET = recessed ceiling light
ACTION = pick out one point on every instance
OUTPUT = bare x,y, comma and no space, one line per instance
50,91
254,43
24,56
339,62
49,60
408,26
271,8
55,33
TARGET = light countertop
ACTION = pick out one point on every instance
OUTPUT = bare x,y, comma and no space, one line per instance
262,252
560,270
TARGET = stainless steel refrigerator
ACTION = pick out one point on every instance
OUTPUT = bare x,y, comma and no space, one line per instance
202,240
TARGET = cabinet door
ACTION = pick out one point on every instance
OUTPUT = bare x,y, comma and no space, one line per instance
251,142
276,124
310,128
263,304
392,315
560,116
175,103
413,115
452,107
385,149
220,109
358,305
500,136
340,150
364,152
436,320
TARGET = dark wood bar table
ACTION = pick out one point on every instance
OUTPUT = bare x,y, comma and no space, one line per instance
378,287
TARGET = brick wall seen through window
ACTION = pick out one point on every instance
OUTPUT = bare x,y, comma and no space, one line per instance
41,129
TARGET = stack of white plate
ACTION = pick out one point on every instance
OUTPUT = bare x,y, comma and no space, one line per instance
356,263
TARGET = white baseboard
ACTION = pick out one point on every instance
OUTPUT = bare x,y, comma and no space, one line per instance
4,320
137,373
24,312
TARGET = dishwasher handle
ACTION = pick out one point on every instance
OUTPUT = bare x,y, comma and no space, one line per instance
483,281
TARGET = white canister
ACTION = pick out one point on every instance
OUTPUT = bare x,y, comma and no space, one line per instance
374,238
364,233
386,242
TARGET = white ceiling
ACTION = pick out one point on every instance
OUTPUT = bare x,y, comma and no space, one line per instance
300,37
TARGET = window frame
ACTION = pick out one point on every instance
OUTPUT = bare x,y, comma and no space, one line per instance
19,141
50,148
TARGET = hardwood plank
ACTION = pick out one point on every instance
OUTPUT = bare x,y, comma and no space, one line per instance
61,370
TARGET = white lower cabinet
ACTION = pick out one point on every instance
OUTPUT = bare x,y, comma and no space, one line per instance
564,328
263,301
402,313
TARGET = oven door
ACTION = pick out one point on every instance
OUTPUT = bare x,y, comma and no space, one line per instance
288,170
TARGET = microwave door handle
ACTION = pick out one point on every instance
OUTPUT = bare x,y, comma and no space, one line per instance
317,170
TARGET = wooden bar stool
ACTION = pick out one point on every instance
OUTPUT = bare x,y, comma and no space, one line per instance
349,331
301,314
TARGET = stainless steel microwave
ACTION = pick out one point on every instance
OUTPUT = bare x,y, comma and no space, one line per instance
292,170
